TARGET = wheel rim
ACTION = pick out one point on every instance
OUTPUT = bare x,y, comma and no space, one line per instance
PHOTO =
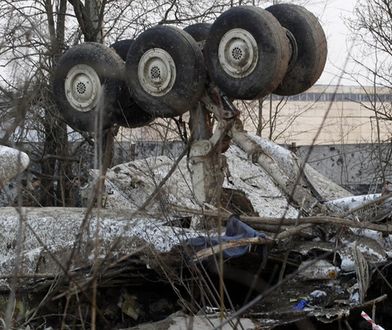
294,50
157,72
238,53
82,87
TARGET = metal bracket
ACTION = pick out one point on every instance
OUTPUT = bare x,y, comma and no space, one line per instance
208,163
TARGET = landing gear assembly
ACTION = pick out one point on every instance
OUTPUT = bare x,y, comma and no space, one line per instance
247,53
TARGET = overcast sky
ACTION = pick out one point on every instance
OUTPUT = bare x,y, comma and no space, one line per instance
332,15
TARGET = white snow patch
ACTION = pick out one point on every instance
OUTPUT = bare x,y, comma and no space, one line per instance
58,229
257,185
12,162
129,185
373,234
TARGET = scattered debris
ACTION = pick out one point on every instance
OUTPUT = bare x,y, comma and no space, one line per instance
291,262
180,320
231,244
319,270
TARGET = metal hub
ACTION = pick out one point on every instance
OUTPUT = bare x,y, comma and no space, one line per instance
82,87
238,53
157,72
293,50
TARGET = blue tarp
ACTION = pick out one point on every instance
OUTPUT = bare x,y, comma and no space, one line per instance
235,230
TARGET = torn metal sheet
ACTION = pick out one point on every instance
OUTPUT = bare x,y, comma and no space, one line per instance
291,165
373,250
327,189
266,197
49,232
129,185
288,181
364,207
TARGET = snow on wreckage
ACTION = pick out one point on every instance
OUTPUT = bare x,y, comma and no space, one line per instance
151,238
329,244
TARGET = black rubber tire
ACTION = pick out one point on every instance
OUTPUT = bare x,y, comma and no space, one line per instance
273,52
127,112
190,71
199,31
109,68
311,44
121,47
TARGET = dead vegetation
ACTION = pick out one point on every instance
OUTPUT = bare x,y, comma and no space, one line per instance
143,252
143,260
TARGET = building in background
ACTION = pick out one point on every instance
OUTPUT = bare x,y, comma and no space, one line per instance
346,149
339,115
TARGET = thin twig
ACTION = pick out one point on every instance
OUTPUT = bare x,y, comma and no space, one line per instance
365,205
209,251
371,302
327,220
292,231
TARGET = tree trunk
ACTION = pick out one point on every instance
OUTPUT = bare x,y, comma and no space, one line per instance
55,192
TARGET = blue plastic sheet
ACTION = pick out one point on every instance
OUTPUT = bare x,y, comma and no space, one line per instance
300,305
235,230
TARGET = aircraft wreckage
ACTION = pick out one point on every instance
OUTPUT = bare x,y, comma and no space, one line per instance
236,232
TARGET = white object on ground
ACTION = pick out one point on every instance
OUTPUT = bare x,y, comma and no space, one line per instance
370,321
319,270
12,162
